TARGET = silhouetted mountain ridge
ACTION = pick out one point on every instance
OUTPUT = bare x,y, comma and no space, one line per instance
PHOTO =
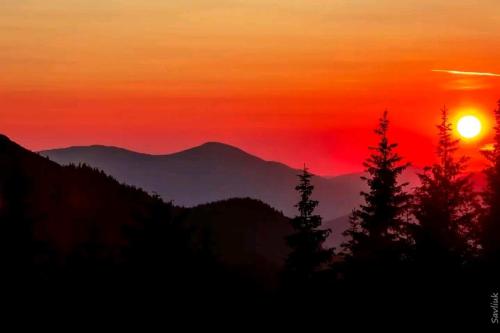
214,171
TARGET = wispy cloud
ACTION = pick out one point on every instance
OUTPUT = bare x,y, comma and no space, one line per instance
454,72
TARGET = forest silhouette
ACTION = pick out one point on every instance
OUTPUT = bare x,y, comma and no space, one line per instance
430,253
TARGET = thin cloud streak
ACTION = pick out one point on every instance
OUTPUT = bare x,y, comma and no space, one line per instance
454,72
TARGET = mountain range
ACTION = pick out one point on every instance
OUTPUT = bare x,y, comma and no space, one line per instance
216,171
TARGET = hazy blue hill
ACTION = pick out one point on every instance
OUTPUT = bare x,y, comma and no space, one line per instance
211,172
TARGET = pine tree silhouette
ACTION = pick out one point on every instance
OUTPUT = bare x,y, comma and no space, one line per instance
308,253
376,233
490,231
446,206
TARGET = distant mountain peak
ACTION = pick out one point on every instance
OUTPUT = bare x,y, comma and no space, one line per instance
214,171
218,150
218,145
221,147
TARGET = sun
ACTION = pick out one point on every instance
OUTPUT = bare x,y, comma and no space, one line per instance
469,127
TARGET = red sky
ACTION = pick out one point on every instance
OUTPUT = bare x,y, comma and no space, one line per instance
295,81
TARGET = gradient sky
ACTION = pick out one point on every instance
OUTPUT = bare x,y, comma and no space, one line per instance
294,81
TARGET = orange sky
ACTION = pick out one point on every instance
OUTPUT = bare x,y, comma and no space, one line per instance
295,81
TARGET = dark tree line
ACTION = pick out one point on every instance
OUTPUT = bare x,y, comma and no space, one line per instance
438,242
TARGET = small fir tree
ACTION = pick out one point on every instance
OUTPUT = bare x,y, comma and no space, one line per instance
307,252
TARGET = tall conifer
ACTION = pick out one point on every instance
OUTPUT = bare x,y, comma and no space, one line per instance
446,207
377,226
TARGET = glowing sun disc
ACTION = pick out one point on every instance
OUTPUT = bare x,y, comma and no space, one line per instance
469,127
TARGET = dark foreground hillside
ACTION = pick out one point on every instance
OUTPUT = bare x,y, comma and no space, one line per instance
76,228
